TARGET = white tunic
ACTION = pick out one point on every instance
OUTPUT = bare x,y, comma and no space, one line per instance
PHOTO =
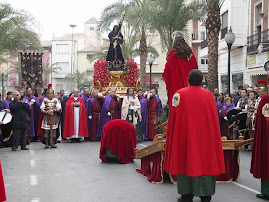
76,123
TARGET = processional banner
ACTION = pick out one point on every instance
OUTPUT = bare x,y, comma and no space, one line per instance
31,69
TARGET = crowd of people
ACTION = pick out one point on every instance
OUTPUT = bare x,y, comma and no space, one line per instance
77,116
237,112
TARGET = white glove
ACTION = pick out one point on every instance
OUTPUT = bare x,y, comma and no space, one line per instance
135,108
148,96
108,113
100,94
225,118
90,117
32,102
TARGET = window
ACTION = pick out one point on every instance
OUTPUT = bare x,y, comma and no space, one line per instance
206,61
202,61
224,20
194,36
203,35
62,49
91,28
64,67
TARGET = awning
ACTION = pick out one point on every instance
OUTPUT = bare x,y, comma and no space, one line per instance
256,72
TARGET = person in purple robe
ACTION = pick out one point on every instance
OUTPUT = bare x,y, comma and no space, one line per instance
220,102
144,113
155,111
5,103
85,95
5,138
111,110
34,111
224,124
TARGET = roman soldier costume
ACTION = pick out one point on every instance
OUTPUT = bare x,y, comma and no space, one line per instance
50,109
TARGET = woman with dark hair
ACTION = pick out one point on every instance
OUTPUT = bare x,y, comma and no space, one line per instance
131,112
179,64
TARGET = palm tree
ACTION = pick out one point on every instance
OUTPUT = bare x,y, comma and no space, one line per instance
49,70
78,77
16,32
213,25
173,15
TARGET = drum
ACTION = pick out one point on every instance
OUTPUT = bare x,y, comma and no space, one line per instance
5,117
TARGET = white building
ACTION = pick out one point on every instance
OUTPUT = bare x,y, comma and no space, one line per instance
84,44
234,14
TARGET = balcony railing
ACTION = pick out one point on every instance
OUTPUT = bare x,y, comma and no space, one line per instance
254,41
223,32
204,44
199,36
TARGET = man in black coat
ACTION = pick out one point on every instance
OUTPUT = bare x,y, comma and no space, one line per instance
19,110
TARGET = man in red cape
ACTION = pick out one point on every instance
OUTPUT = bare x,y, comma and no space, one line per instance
179,64
75,125
2,186
260,150
193,149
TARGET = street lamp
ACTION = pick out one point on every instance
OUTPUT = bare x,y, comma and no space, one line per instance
229,39
151,60
72,26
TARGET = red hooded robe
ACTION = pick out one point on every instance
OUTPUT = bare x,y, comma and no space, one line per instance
176,73
260,149
69,119
193,143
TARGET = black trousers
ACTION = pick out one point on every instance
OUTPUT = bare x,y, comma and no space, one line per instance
19,135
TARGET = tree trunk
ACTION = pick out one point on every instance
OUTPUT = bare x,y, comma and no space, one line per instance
213,25
213,44
143,59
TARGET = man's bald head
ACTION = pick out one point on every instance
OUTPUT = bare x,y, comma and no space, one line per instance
75,92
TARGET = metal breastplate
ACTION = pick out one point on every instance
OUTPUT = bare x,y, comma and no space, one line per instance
50,105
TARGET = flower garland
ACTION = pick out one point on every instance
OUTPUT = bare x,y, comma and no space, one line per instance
132,78
100,73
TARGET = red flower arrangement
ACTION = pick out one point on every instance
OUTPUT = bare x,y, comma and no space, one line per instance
100,73
132,78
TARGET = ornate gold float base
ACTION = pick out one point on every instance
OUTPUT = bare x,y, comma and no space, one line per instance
117,80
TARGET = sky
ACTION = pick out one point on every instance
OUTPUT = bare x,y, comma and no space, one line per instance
55,16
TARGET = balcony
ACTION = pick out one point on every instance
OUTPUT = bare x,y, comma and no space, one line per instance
254,41
198,36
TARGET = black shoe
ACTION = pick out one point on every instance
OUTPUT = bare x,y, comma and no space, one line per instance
179,199
25,148
46,147
13,149
205,198
261,196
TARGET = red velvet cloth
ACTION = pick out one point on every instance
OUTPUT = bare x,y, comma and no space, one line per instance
2,186
176,73
260,149
69,119
231,160
193,143
154,174
152,118
120,137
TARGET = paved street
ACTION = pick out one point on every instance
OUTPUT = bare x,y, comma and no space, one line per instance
74,172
